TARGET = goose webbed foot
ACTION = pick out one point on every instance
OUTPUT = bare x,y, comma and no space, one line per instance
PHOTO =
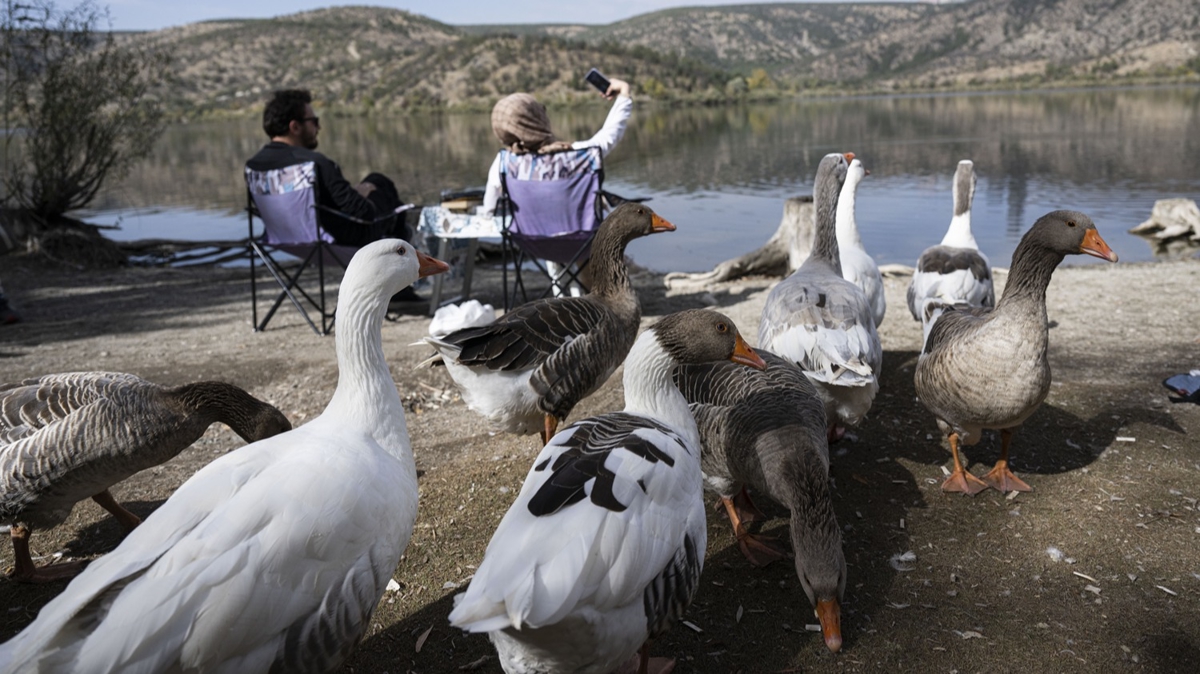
46,574
25,571
960,480
963,482
642,663
759,550
835,432
1003,480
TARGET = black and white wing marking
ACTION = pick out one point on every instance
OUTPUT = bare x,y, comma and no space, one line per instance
583,458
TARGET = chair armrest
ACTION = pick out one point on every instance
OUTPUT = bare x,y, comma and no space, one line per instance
361,221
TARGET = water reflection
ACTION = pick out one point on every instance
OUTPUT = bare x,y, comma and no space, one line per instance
1110,153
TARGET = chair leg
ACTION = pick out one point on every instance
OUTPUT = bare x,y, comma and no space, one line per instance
435,299
287,282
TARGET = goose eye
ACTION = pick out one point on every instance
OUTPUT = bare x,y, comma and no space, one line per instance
1070,223
722,328
401,251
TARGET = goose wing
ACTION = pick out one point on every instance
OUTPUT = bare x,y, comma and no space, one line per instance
825,326
528,335
735,406
251,565
859,269
952,275
609,515
28,406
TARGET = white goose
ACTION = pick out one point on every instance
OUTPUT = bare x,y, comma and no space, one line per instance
67,437
858,267
822,322
953,272
270,558
603,548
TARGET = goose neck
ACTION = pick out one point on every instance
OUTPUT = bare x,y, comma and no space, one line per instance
959,235
217,401
846,224
825,242
609,275
650,389
1029,276
366,396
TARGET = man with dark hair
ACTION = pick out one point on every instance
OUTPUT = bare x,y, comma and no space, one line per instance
292,126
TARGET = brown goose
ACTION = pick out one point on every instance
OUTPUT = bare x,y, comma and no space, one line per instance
526,371
67,437
765,429
987,368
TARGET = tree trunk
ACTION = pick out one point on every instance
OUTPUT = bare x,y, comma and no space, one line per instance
63,239
786,250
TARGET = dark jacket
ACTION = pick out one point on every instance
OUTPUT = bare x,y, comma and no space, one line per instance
333,190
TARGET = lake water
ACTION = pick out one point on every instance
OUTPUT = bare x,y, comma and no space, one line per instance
721,174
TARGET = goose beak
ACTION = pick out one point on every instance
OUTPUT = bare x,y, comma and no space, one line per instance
1094,245
830,615
658,224
431,265
849,157
744,355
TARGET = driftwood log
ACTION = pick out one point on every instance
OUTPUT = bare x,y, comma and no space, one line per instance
785,251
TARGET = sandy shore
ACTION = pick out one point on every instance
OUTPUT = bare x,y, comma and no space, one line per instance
1115,467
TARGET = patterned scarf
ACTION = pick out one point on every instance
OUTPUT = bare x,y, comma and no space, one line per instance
522,125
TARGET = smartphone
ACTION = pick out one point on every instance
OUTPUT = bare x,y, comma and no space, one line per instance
597,80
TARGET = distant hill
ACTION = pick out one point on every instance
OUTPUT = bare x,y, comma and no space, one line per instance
368,58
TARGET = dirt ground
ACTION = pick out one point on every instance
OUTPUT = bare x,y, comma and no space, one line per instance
1098,569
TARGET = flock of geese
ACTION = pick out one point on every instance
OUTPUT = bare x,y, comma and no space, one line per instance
273,557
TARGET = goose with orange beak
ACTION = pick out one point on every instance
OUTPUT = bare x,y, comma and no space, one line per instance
987,368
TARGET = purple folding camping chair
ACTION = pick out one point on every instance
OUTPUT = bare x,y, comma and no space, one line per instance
555,203
285,200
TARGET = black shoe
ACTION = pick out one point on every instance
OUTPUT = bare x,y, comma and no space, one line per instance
407,295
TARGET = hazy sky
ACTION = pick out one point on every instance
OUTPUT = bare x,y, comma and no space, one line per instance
155,14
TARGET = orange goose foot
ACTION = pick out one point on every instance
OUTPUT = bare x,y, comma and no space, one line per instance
963,482
25,571
641,663
1002,479
47,574
759,550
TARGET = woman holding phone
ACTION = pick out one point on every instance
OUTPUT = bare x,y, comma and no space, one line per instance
522,125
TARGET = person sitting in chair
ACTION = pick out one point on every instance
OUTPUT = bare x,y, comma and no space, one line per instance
290,123
522,125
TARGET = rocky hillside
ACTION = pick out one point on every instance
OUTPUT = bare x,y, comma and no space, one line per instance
365,58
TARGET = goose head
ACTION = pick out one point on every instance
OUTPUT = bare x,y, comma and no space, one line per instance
1070,233
831,176
964,187
703,335
856,172
387,266
632,220
823,587
847,228
255,420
